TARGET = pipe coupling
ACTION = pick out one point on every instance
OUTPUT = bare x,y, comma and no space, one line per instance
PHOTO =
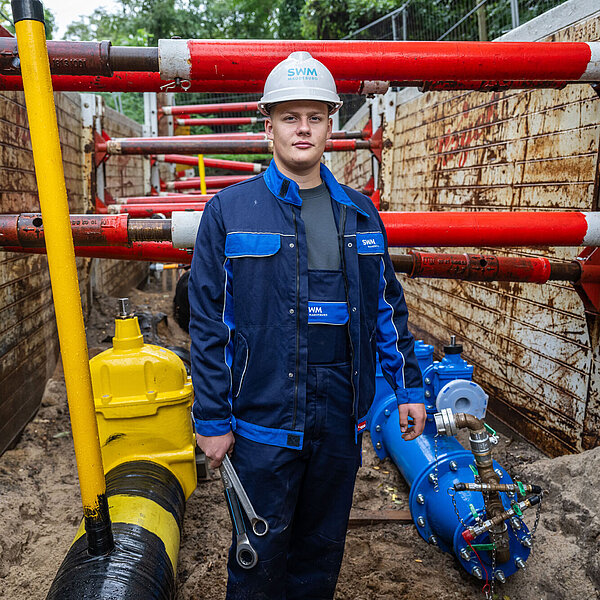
445,422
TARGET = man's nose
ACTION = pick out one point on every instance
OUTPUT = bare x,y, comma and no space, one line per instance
303,126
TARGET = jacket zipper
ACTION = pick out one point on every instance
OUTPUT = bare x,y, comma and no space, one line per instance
347,289
297,320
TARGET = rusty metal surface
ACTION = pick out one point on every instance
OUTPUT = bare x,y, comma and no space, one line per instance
532,346
28,340
534,349
66,58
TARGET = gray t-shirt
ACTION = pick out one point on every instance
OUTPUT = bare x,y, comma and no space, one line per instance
321,230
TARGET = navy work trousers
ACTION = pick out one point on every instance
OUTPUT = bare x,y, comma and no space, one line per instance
305,495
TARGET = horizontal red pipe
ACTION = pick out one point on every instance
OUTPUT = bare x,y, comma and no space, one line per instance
410,229
165,199
479,267
123,81
211,109
142,251
27,229
190,146
140,211
215,121
219,181
385,61
215,163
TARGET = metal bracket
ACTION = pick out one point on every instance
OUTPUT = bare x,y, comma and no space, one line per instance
377,143
100,156
588,286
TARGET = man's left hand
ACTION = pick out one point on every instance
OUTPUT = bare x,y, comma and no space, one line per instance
418,414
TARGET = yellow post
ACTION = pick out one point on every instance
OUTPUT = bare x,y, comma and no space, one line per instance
35,68
202,173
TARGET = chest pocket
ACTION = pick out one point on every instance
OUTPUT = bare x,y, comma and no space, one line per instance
241,244
370,243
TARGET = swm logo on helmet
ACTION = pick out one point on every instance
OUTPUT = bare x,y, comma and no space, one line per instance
303,73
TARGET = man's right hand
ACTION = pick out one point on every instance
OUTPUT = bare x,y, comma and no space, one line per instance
216,447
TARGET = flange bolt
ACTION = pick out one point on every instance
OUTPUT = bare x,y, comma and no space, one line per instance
476,572
421,521
453,466
500,576
520,563
420,499
465,554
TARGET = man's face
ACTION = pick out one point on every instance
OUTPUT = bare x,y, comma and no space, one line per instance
299,130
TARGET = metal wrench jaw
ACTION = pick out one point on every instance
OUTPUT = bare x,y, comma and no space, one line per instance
245,554
259,525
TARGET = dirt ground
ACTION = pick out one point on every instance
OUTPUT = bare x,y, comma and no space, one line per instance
40,511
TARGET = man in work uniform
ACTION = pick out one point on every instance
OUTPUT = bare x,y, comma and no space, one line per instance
292,293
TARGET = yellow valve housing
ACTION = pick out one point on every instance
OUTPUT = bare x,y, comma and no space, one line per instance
143,399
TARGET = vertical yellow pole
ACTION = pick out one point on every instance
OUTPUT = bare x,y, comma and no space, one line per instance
202,173
35,68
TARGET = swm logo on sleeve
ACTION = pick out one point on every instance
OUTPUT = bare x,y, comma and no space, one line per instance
298,74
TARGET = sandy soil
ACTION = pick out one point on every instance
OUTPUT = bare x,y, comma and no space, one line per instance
40,508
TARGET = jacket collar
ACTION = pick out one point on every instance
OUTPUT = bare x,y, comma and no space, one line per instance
287,189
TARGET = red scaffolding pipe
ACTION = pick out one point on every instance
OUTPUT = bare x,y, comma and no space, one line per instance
503,229
212,122
203,146
165,199
215,163
143,251
384,61
218,181
141,211
124,81
211,109
412,229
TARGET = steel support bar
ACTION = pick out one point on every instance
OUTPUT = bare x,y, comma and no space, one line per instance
501,229
486,267
215,163
247,135
217,181
186,146
385,61
142,251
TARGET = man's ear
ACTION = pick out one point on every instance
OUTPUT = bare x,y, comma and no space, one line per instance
269,128
329,127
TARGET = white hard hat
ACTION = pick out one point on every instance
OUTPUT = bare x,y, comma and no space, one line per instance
300,77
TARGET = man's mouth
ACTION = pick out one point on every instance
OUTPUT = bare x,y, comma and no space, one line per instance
302,145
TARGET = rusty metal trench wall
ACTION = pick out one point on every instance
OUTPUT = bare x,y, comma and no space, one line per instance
28,338
533,349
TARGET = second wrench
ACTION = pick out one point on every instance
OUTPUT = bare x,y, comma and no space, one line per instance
259,525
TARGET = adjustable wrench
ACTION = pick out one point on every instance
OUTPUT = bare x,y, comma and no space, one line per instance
259,525
245,554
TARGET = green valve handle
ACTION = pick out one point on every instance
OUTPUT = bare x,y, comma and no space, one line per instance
489,429
474,469
521,487
474,513
517,510
483,546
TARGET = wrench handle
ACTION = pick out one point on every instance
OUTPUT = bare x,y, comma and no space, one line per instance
259,525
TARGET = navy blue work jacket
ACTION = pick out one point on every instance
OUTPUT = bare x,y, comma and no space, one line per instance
248,293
